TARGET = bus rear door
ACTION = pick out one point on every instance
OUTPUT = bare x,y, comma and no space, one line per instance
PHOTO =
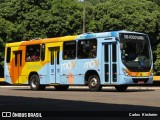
54,67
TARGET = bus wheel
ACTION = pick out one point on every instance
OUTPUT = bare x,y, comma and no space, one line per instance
121,88
94,83
61,87
35,83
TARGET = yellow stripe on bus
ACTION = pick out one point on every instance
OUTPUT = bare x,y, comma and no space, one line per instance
1,79
156,78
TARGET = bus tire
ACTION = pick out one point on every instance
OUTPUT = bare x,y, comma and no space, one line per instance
121,88
61,87
94,83
35,83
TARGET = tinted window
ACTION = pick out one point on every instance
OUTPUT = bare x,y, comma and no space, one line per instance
114,53
33,53
69,50
87,48
57,50
52,57
43,52
106,52
8,55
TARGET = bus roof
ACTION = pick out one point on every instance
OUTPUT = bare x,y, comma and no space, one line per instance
68,38
40,41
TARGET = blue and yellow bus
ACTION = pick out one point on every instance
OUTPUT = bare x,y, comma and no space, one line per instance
116,58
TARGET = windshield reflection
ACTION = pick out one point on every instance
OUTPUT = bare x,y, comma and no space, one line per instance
136,54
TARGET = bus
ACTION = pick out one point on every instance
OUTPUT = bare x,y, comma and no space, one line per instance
115,58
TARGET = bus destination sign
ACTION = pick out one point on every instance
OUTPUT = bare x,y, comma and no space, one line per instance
125,36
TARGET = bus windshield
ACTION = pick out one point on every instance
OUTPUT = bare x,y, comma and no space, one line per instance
135,52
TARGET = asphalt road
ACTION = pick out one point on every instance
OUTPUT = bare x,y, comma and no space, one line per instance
80,99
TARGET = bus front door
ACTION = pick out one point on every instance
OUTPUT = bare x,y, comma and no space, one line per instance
17,67
54,69
110,63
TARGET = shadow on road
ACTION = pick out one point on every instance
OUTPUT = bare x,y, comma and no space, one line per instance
43,104
70,108
86,89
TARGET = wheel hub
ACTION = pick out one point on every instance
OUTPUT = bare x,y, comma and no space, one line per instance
34,83
93,82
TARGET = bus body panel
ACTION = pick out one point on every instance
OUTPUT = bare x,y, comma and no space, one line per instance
55,69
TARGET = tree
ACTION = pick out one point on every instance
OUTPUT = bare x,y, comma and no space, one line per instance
157,50
156,1
67,17
130,15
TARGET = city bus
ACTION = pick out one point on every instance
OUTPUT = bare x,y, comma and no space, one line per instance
115,58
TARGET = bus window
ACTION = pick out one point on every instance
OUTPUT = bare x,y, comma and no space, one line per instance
57,56
33,53
87,48
43,52
114,53
52,57
8,54
69,50
106,52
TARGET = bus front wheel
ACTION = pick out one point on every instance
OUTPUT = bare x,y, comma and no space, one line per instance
35,83
121,88
94,83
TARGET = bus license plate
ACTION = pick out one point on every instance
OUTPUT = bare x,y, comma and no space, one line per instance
140,82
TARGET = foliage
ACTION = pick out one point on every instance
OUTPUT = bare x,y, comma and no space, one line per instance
156,1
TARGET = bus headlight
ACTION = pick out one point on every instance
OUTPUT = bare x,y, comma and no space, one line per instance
125,72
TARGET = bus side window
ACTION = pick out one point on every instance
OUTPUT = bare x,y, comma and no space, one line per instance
32,53
8,56
69,50
87,49
42,52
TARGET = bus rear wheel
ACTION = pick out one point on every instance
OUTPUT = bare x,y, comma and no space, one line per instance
35,83
61,87
94,83
121,88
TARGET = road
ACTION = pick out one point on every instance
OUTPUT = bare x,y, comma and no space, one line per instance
79,99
